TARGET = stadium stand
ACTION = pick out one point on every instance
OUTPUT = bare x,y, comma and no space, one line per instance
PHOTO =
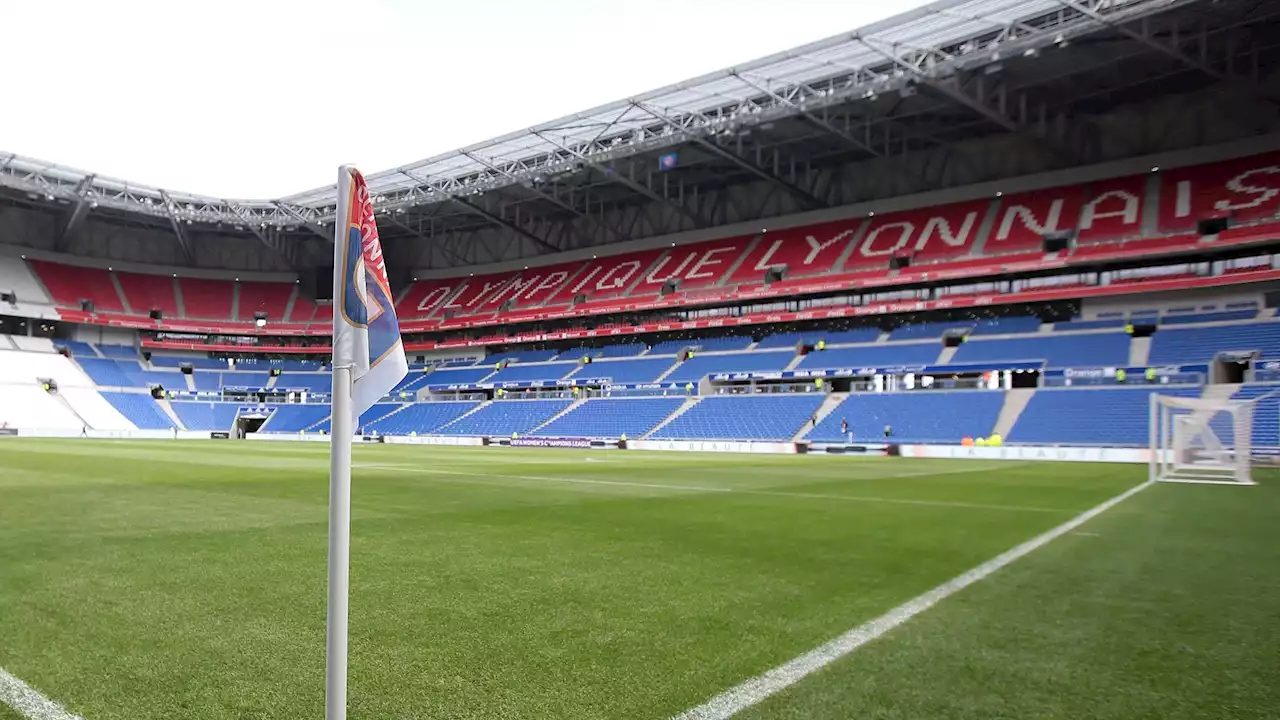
270,298
459,376
1106,349
206,298
639,370
145,293
120,352
533,373
500,418
311,382
141,410
929,330
96,411
699,366
521,356
69,284
1076,416
1202,344
197,362
77,349
775,417
612,418
419,418
295,418
214,416
889,355
915,417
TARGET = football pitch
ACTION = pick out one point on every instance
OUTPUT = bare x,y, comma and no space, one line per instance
148,580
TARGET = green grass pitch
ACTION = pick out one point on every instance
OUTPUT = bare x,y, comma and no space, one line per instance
141,581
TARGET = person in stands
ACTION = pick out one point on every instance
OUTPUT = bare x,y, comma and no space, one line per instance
844,429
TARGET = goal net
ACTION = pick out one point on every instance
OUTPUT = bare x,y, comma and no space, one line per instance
1201,440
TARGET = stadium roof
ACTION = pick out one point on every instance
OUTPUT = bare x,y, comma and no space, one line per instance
931,42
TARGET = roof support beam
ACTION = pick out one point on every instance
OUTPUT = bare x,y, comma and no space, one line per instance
428,240
951,89
286,250
179,230
617,177
833,130
806,198
76,217
494,218
556,201
314,227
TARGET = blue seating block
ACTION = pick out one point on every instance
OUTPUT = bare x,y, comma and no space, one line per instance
699,366
624,372
292,418
888,355
213,416
459,376
532,373
503,417
611,418
1103,416
139,409
923,416
775,417
1197,345
420,418
1058,351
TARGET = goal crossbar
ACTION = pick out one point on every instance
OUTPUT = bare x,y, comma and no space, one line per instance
1201,440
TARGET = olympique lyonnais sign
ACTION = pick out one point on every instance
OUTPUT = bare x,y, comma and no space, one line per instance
581,443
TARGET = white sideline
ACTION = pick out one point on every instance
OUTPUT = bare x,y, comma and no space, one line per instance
28,702
751,692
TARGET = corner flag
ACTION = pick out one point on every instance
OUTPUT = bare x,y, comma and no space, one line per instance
368,361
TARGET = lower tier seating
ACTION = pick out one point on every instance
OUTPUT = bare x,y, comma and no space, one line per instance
420,418
503,417
612,418
915,417
141,410
212,416
293,418
743,417
1102,416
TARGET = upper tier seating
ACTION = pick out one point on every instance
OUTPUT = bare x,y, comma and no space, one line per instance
1223,316
699,366
197,362
311,382
776,417
213,416
712,344
612,418
1087,350
204,298
521,356
608,351
31,299
141,410
69,284
120,352
1007,326
1101,416
915,417
77,349
458,376
420,418
918,353
623,372
932,330
533,373
503,417
1202,344
148,292
270,298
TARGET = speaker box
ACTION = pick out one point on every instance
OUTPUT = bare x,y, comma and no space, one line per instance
86,306
156,314
774,274
899,262
1056,242
1213,226
670,286
952,340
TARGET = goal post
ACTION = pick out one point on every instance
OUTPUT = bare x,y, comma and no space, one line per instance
1201,440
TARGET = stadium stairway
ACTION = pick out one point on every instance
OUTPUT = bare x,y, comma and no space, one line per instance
688,403
167,407
947,353
1015,401
1139,351
826,408
576,404
794,362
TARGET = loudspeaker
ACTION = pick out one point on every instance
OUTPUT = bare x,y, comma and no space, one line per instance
156,314
275,372
898,262
774,274
9,297
670,286
323,283
146,355
950,340
86,305
579,298
186,368
1213,226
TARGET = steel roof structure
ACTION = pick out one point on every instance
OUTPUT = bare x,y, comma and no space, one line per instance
944,73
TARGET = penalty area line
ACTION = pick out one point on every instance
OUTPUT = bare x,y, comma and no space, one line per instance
28,702
753,691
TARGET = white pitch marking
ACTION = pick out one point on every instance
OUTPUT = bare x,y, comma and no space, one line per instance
753,691
729,490
28,702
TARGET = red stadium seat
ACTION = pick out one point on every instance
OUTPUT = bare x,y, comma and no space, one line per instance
269,297
1022,220
607,277
204,298
531,287
425,296
804,251
944,232
693,266
1246,190
1114,210
147,292
69,284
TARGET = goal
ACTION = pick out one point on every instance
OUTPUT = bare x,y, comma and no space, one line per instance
1201,440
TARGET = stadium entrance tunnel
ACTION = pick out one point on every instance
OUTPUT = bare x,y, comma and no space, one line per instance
246,425
1233,368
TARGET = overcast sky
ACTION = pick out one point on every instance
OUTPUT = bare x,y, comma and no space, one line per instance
264,98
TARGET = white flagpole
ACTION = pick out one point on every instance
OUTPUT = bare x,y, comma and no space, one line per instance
339,485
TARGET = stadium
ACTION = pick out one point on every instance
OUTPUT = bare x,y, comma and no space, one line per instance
931,370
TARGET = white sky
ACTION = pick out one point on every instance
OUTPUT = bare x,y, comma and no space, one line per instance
265,98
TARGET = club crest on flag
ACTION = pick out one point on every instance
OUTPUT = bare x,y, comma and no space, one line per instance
366,332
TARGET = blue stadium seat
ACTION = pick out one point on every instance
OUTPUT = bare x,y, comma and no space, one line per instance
915,417
503,417
76,348
1058,351
1225,316
521,356
245,379
198,363
1197,345
608,351
141,410
852,336
119,352
623,372
110,373
888,355
532,373
1103,416
207,380
699,366
311,382
421,418
460,376
743,417
611,418
214,416
789,340
1007,325
1100,324
919,331
715,344
292,418
1266,413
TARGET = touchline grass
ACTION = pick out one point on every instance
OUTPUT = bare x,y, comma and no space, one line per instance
144,580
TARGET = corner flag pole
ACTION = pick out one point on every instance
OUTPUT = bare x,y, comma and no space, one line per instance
335,696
